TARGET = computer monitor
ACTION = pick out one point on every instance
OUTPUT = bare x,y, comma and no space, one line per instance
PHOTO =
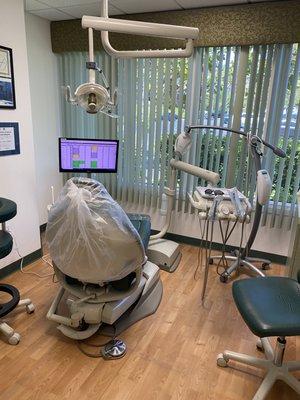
88,155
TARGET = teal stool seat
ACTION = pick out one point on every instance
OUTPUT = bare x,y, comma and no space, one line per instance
8,209
269,306
6,243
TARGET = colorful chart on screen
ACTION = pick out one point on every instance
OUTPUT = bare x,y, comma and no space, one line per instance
88,155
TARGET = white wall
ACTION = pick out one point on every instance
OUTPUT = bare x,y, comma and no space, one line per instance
45,96
17,172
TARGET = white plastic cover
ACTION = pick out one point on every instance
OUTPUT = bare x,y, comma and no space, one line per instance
89,235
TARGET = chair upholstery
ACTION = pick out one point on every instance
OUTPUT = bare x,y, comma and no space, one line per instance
8,209
269,306
7,307
142,224
6,244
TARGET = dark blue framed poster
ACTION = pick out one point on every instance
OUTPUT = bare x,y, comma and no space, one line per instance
7,84
9,138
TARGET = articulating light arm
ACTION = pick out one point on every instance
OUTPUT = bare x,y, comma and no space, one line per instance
106,24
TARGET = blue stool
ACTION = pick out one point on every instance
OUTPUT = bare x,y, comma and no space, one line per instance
270,307
8,209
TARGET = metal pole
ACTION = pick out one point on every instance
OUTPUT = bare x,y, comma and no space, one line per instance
92,72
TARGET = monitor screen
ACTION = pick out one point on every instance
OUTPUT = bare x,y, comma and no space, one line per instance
88,155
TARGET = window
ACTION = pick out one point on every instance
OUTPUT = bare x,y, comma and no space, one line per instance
253,88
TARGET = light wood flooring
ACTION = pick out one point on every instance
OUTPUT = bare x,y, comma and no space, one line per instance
171,354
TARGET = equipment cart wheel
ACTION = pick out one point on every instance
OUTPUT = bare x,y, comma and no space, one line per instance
14,339
221,361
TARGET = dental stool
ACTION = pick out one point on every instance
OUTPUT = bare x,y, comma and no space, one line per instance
270,307
8,209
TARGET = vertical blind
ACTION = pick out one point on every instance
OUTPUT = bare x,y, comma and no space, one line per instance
152,111
255,88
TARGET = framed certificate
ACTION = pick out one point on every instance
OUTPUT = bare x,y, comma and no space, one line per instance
7,84
9,138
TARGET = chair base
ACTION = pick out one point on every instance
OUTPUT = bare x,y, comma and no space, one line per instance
276,368
236,262
12,336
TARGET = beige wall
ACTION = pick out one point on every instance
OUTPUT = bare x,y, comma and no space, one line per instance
45,97
17,172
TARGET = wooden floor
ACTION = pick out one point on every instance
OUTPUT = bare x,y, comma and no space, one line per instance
171,354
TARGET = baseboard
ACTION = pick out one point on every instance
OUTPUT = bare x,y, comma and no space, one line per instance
275,258
15,266
43,227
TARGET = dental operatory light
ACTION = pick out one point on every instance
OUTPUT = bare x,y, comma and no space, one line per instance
92,96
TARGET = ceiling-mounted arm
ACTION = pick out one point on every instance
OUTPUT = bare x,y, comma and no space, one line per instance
171,53
106,24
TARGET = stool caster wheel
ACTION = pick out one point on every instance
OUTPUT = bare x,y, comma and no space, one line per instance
30,308
210,261
14,339
259,345
265,266
224,278
221,361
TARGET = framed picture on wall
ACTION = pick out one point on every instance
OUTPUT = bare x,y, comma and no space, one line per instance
9,138
7,85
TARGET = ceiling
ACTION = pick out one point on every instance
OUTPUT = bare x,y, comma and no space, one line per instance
57,10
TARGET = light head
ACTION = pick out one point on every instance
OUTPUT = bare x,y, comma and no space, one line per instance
92,97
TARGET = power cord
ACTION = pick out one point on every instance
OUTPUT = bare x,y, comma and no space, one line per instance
22,260
225,239
98,346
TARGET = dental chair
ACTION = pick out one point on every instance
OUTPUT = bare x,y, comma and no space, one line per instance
8,210
98,254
